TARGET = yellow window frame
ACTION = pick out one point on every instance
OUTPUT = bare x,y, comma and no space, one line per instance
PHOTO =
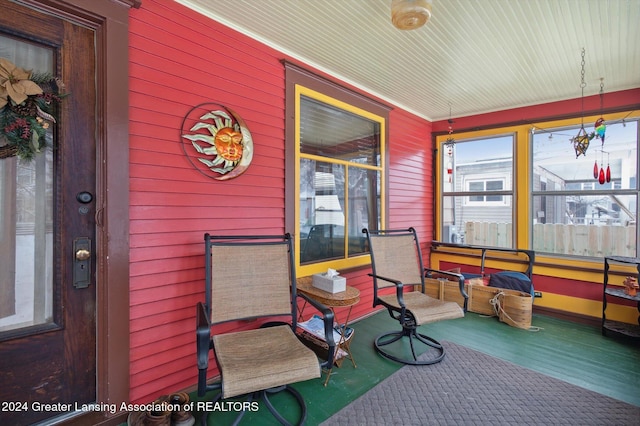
347,262
556,266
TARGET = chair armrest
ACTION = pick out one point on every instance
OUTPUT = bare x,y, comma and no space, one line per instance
399,287
456,277
203,336
328,319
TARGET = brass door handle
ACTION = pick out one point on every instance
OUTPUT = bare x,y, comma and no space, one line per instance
83,254
82,262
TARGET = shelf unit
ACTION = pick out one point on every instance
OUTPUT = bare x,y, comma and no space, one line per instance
617,327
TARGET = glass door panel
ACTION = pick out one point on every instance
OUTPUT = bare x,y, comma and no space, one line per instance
26,215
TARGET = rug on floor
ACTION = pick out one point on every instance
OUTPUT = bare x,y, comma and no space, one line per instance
472,388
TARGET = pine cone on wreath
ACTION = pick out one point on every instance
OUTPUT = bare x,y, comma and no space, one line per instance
28,108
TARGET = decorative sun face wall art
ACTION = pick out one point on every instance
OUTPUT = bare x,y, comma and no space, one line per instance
216,141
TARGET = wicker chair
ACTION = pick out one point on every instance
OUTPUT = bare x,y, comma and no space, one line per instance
396,261
249,278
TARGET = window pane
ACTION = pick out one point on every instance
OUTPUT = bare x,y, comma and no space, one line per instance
340,180
26,216
579,225
494,185
332,132
476,186
477,225
480,160
555,163
364,207
587,218
322,218
472,170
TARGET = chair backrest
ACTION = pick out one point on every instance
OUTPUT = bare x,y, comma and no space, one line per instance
396,254
249,277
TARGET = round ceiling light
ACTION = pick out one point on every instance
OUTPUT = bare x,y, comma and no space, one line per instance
410,14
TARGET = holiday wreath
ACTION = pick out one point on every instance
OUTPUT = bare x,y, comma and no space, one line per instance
27,107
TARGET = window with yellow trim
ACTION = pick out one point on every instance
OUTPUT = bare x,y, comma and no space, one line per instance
340,174
585,201
531,187
335,171
477,191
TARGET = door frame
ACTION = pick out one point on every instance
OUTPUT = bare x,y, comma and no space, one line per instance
110,20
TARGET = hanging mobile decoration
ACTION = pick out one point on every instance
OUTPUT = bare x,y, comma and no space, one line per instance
448,144
582,139
450,141
581,142
600,126
601,177
601,129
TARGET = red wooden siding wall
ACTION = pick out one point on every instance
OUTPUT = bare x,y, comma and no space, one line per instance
410,174
179,59
618,101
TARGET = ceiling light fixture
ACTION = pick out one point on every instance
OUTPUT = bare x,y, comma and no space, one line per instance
410,14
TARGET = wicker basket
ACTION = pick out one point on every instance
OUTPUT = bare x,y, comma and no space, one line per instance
320,347
445,290
451,292
514,308
432,288
480,298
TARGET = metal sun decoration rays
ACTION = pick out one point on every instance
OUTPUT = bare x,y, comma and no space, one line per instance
226,145
582,139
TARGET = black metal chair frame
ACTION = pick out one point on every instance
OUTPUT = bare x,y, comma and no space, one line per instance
403,313
204,341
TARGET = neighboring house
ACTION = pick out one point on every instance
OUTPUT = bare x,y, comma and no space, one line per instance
492,175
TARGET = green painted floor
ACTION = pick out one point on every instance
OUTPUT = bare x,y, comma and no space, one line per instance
572,352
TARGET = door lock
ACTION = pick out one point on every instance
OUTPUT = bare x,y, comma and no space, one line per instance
82,262
84,197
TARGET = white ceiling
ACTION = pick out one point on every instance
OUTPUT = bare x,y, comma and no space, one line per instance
472,56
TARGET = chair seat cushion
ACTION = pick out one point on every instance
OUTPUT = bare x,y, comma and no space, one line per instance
424,308
262,358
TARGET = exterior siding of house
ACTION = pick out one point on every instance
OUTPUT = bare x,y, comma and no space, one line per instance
179,59
466,210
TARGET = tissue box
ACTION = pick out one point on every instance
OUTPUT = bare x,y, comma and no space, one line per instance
329,284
